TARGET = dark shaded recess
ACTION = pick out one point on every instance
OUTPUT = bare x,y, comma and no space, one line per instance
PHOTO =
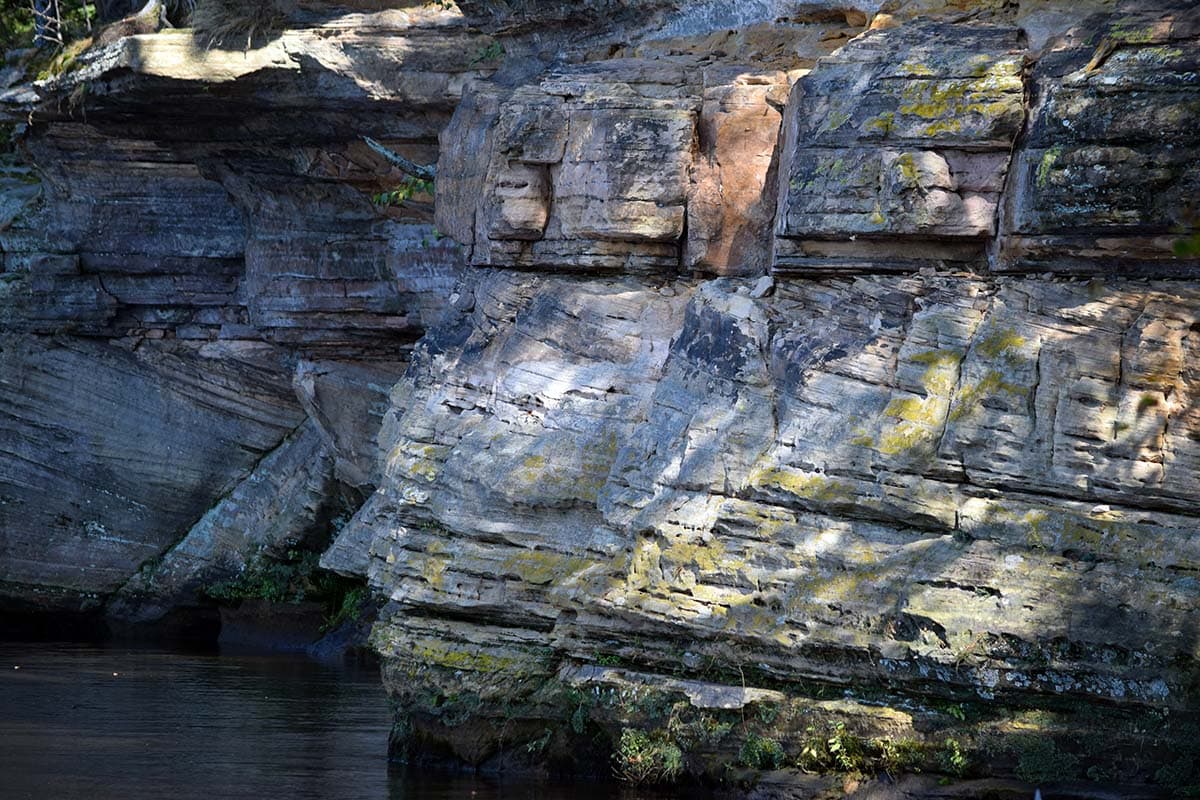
198,627
422,745
25,621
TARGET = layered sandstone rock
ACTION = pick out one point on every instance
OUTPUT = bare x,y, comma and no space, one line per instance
861,484
886,476
904,136
286,499
593,169
964,503
1106,175
113,451
203,218
650,162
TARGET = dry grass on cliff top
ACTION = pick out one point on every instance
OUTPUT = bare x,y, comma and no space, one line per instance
238,23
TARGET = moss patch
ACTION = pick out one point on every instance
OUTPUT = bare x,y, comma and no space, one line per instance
1046,165
807,485
540,567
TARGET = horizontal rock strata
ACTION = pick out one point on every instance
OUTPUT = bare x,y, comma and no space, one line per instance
902,136
777,374
955,500
199,245
1105,178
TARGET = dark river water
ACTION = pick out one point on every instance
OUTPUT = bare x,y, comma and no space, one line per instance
101,723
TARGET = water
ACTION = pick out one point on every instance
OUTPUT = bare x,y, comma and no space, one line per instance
109,723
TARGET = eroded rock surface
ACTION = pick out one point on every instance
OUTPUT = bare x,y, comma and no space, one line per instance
919,492
958,536
202,218
657,160
903,136
111,452
285,500
591,169
980,488
1106,176
805,372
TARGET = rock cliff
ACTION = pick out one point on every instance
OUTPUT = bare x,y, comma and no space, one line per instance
805,383
202,308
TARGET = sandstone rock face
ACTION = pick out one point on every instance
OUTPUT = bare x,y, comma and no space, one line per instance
903,136
500,440
645,164
861,483
510,431
805,372
202,309
346,402
962,502
275,507
549,23
589,169
1106,176
941,500
110,453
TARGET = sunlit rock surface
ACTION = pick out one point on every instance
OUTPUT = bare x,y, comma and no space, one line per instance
963,503
648,162
903,136
776,372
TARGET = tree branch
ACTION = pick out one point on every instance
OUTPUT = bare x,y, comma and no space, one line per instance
426,172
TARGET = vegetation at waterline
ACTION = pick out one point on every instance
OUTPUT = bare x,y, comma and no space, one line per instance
643,758
294,577
348,610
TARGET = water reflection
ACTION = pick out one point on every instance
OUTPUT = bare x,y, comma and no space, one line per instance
101,723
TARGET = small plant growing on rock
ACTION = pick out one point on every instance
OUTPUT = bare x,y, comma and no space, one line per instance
766,712
645,758
1189,245
1182,774
1182,777
953,760
539,744
349,608
835,750
408,188
814,752
848,750
898,756
759,752
1039,760
487,54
